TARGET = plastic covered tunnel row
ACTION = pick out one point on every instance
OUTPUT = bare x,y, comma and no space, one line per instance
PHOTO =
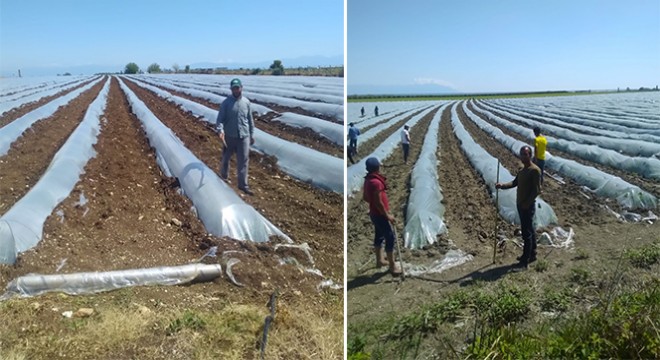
222,211
357,171
425,216
599,182
308,165
371,133
10,132
486,165
21,227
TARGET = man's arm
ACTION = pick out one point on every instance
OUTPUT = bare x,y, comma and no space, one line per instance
251,124
380,206
220,122
507,185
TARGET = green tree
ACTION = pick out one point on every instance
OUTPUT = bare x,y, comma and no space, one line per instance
131,68
175,67
153,68
277,67
187,69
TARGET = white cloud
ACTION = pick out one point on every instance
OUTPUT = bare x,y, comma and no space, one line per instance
426,81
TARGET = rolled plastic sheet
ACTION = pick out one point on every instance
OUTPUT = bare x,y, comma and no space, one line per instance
21,226
95,282
599,182
451,259
486,165
305,164
425,216
222,211
10,132
358,171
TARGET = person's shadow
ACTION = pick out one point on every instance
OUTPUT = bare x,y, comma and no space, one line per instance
362,280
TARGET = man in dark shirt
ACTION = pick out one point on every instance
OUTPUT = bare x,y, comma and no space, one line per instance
528,183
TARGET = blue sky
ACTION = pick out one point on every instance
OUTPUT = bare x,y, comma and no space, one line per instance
483,46
112,33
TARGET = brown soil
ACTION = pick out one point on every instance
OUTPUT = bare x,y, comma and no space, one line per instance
470,214
130,217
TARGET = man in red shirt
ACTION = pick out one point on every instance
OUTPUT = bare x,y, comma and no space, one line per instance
374,194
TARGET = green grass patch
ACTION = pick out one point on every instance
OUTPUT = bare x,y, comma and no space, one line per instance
646,256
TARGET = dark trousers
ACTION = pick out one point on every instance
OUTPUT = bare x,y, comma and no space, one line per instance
383,230
541,164
352,143
528,233
406,149
242,149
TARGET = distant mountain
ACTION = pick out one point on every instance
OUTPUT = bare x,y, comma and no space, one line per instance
303,61
410,89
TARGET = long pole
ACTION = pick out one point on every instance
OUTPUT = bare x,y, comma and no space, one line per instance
497,209
398,249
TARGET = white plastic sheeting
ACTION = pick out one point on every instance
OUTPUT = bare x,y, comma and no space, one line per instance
357,171
222,211
451,259
319,169
486,165
95,282
21,227
374,131
648,167
599,182
8,105
10,132
329,130
424,220
627,146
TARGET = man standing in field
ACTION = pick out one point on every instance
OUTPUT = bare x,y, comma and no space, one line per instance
405,143
353,134
528,182
376,111
374,194
236,130
362,111
540,143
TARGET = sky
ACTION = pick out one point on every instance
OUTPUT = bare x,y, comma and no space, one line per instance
108,34
421,46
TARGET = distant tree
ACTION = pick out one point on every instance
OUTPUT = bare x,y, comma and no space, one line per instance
131,68
175,67
187,69
67,74
153,69
277,67
255,71
627,89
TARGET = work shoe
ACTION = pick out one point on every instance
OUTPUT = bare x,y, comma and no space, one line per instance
520,266
521,258
247,191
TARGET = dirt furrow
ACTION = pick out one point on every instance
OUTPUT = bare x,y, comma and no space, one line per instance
649,185
29,156
367,147
303,136
305,213
16,113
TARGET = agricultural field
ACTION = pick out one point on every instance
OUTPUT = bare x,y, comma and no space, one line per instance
595,284
110,173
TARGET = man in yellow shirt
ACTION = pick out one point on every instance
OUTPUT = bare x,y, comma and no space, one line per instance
540,144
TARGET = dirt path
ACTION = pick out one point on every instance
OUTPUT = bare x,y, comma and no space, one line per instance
303,136
29,156
16,113
649,185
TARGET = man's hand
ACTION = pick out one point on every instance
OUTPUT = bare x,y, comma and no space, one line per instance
221,134
391,218
251,140
498,186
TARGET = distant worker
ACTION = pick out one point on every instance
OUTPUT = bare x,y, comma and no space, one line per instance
374,194
405,143
362,111
540,143
528,182
236,130
353,133
376,110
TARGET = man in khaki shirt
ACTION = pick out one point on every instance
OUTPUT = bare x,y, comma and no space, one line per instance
528,183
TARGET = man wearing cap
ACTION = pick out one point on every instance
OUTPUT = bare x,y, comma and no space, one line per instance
540,143
374,194
236,130
353,133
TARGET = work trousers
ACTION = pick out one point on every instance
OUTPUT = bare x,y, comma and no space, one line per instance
242,149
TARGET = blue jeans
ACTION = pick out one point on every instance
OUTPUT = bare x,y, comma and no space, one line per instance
528,233
353,143
383,231
541,164
242,149
406,149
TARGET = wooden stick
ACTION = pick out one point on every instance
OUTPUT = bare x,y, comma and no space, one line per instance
497,209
